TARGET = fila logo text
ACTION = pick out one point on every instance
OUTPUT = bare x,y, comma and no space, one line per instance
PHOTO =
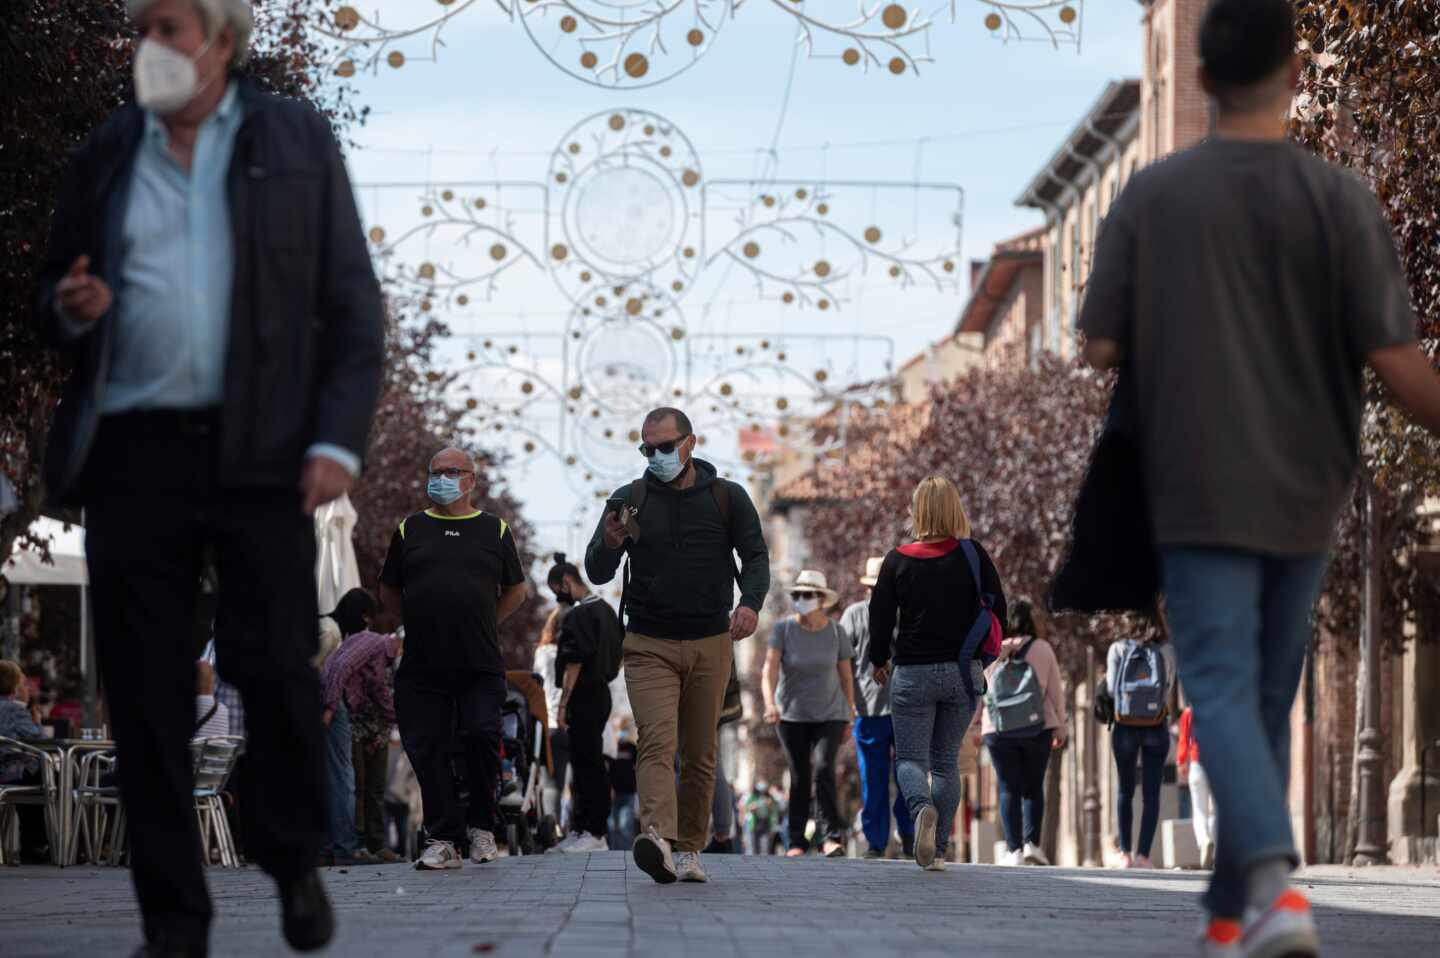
449,533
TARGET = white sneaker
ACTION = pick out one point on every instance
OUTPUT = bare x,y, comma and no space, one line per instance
585,842
1285,928
688,867
1011,859
937,865
439,856
482,846
925,822
652,856
1033,855
563,845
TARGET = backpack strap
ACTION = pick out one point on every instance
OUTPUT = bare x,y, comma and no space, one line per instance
1020,653
635,495
981,627
720,490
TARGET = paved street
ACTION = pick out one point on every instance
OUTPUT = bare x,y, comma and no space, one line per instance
600,905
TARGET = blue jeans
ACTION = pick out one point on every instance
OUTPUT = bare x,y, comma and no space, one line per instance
344,839
1150,746
874,745
1020,765
931,711
1241,624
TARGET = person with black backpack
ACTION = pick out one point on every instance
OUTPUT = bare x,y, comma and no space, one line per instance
1022,722
1140,677
586,661
680,526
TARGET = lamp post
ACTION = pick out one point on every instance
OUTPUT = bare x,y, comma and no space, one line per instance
1093,857
1370,841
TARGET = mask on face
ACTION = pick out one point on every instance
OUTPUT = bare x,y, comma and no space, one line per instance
443,490
807,605
165,79
665,467
564,597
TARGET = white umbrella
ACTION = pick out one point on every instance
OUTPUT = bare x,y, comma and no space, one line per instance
336,570
67,556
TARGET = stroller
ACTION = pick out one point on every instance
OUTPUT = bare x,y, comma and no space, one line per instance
524,746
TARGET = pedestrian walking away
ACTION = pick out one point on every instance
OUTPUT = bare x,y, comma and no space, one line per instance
453,575
553,774
1140,676
352,615
1202,803
945,594
874,733
680,528
587,659
209,278
1244,284
1022,722
809,688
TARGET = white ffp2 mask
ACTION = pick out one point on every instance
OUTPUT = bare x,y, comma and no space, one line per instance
165,79
807,605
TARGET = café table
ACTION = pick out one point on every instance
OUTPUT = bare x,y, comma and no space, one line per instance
69,751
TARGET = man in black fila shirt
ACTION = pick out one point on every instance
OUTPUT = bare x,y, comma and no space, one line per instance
454,575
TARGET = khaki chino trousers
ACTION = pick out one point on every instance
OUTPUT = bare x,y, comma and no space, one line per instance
677,689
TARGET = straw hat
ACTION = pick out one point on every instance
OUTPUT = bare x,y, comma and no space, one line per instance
811,581
872,571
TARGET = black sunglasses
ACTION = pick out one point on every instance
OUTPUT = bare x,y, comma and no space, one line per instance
649,451
797,596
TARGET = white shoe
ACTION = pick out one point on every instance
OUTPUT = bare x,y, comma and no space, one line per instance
688,867
925,822
1286,928
652,856
563,845
585,842
439,856
1032,855
1207,857
482,846
936,865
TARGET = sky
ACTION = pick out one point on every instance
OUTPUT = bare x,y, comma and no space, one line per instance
489,107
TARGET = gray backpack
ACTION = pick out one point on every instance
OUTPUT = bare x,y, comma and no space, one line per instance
1141,687
1015,699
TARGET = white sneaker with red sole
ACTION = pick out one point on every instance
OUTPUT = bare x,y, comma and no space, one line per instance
1284,930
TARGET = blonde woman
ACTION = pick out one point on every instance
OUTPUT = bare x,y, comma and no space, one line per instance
930,588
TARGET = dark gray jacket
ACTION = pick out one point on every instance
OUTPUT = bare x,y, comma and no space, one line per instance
306,322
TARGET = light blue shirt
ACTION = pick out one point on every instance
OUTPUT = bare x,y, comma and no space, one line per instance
172,322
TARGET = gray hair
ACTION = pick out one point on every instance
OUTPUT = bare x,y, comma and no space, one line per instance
215,15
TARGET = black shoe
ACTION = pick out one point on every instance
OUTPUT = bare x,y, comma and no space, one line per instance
171,946
874,853
307,918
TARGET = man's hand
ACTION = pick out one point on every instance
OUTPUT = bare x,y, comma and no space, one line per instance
772,714
84,298
324,480
743,623
881,674
562,723
1060,740
615,532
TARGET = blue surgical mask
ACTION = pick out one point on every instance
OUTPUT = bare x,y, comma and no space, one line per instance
666,467
443,490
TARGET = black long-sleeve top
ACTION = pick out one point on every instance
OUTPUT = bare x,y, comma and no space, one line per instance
586,635
929,587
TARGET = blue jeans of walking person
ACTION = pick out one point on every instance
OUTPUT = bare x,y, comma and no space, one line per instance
1241,624
1150,746
1020,765
344,839
874,750
931,711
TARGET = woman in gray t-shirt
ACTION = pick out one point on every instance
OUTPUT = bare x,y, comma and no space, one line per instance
810,693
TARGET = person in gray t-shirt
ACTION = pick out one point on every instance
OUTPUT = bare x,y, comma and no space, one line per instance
874,732
1245,283
810,694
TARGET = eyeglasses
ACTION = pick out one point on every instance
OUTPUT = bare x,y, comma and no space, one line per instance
797,596
451,473
665,448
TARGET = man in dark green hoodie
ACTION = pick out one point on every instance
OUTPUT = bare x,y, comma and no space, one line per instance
680,526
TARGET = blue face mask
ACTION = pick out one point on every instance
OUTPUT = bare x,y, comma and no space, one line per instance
666,467
443,490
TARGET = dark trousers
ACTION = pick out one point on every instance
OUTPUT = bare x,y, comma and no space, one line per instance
371,763
587,715
1151,746
155,508
1020,765
432,708
810,749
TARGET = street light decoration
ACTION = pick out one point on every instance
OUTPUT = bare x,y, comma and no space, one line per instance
628,44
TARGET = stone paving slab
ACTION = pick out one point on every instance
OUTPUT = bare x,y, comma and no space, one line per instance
601,906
